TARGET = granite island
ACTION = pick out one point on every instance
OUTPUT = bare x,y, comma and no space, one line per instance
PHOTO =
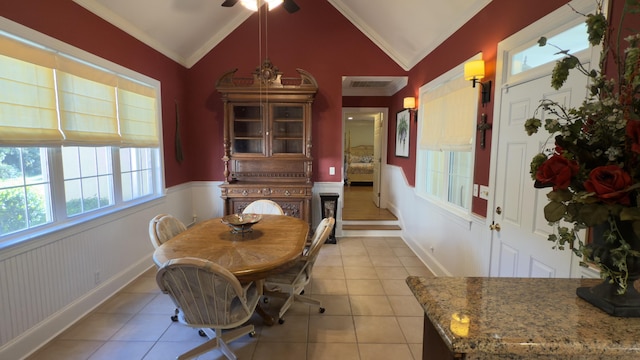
515,318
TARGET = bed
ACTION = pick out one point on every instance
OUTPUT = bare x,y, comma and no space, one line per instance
360,164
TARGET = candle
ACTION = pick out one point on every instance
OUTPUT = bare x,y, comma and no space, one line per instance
460,324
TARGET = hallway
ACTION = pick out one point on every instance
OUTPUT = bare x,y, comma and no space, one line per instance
358,205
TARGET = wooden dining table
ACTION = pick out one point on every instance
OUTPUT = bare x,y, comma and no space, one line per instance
273,245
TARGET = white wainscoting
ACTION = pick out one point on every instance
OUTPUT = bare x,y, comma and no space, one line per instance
446,243
49,283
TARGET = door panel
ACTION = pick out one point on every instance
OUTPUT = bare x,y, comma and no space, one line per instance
521,244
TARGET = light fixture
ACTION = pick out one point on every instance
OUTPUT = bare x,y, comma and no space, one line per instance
409,103
253,5
474,71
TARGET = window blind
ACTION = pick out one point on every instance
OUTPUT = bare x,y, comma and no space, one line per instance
449,112
47,98
27,95
137,112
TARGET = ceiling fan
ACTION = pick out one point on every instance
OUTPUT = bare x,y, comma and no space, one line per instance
288,5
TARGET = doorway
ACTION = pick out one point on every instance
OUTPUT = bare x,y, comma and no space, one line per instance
364,153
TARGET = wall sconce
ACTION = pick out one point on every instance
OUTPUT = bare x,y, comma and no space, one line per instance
409,103
474,71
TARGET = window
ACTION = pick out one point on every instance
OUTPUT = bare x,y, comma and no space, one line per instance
445,160
80,136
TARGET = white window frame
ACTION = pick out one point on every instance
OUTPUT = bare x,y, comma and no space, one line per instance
54,157
421,154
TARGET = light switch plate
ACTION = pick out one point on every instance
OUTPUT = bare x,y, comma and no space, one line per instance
475,190
332,170
484,192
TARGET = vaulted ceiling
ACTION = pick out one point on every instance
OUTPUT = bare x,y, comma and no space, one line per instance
186,30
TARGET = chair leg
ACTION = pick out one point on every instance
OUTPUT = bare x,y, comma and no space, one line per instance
218,340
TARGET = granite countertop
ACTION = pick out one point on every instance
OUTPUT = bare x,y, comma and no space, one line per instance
515,318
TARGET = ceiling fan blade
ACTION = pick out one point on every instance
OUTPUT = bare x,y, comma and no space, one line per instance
229,3
290,6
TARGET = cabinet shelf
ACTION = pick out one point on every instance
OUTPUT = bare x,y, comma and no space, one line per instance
267,140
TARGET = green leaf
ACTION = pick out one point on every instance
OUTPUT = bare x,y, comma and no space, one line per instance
630,214
554,211
560,195
594,214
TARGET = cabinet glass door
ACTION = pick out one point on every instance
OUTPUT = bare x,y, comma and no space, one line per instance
248,135
288,125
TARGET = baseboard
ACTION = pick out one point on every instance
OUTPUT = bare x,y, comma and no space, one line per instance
39,335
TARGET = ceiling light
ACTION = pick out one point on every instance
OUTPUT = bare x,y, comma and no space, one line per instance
253,5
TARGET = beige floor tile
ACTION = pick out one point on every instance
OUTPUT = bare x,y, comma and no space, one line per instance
396,242
406,305
335,351
143,284
385,352
67,350
370,305
143,327
329,287
294,330
375,242
171,350
126,303
378,330
416,350
331,329
96,326
354,251
280,351
360,272
178,332
396,287
356,260
392,272
364,287
335,304
161,304
379,251
403,251
122,350
333,260
385,260
412,328
328,272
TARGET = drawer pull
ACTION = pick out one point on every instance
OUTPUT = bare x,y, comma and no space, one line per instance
287,193
245,192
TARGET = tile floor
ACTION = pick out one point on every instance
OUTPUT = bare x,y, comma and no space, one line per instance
370,314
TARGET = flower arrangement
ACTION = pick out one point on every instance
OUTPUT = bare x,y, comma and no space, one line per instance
594,170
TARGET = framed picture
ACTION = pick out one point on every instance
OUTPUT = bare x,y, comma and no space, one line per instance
402,133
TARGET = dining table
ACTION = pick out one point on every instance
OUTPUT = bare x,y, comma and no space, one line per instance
272,245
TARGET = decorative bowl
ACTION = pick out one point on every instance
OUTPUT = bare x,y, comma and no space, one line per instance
241,223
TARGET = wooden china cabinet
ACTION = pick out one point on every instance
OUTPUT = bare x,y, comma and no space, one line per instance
267,139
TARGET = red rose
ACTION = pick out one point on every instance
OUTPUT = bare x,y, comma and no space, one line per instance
609,183
633,132
557,171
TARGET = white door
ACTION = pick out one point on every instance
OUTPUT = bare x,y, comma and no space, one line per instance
377,157
520,248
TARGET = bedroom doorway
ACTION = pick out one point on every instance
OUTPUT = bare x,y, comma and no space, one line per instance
363,156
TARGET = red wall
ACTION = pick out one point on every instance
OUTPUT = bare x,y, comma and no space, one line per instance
317,39
69,22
